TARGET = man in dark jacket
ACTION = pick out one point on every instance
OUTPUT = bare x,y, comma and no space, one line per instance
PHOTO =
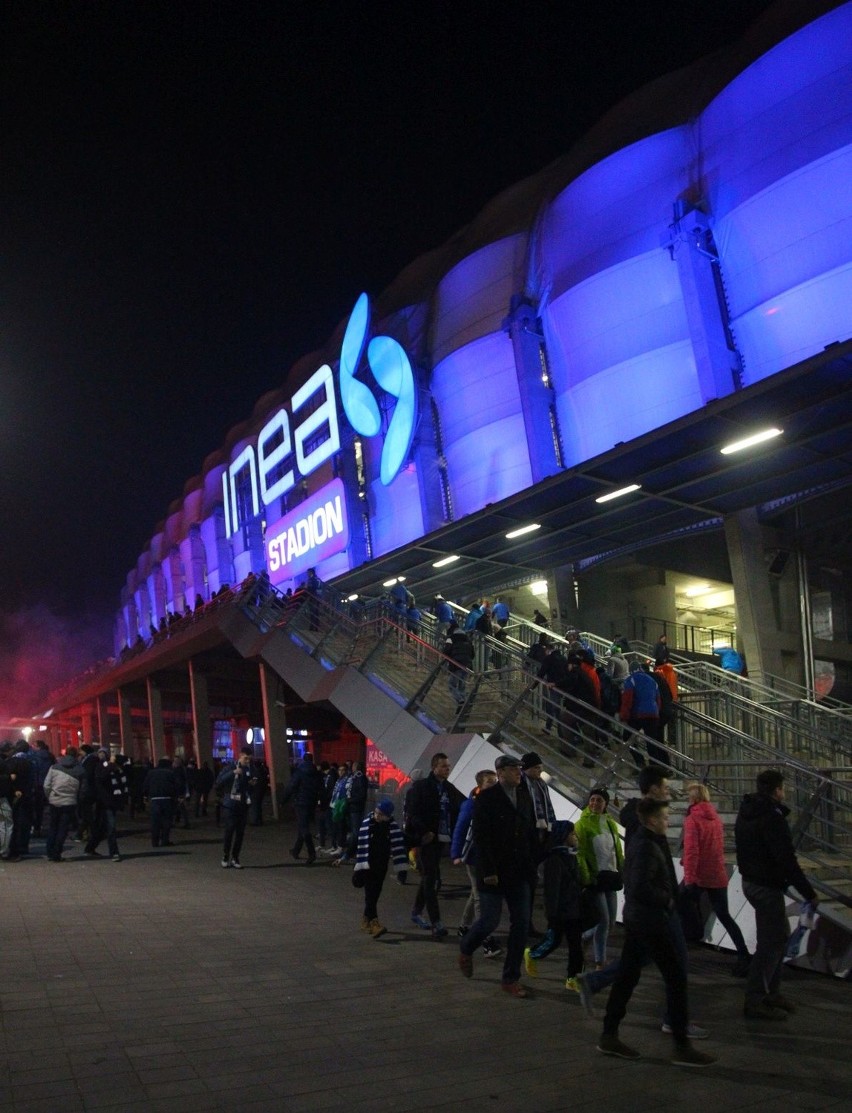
650,888
22,765
110,787
459,648
507,857
431,808
160,789
236,783
767,863
305,788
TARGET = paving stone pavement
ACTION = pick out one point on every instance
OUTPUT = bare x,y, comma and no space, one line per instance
166,983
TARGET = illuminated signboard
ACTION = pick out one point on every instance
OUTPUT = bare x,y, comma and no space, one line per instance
316,529
284,451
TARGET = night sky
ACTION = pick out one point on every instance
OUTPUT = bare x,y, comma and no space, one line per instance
194,194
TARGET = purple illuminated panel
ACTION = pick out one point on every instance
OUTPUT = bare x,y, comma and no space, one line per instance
316,530
485,443
778,163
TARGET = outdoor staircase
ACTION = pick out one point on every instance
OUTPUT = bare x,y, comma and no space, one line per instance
394,687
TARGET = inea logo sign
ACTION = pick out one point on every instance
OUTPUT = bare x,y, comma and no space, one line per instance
392,371
265,462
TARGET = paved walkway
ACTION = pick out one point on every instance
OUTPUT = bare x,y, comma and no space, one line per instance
167,983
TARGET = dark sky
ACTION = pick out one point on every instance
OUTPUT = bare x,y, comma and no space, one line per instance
193,194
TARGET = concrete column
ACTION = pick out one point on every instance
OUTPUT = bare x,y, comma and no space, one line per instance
756,620
102,712
535,392
125,723
201,725
155,720
276,753
717,361
88,725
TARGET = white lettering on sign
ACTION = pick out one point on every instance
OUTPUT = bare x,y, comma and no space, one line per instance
315,530
275,446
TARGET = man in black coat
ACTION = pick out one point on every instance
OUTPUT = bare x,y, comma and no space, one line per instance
650,889
431,810
767,863
305,788
504,833
160,789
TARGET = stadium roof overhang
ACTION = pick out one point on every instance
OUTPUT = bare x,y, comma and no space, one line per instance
685,485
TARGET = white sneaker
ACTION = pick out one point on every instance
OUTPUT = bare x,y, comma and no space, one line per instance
225,864
693,1031
236,865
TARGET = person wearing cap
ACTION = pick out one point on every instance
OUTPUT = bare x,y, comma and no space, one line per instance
507,857
602,860
532,767
379,841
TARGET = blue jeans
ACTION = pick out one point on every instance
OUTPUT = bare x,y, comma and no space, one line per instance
162,815
59,820
607,907
517,898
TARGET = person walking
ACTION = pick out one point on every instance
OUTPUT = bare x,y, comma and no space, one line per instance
432,807
704,867
768,865
507,858
650,905
379,841
305,789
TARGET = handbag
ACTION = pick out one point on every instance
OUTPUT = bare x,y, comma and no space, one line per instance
609,881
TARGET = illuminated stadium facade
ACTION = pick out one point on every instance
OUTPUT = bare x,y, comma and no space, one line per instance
673,267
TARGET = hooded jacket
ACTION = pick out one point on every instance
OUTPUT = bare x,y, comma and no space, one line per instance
704,847
62,782
598,841
765,853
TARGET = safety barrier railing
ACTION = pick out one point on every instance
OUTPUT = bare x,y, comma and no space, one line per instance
582,747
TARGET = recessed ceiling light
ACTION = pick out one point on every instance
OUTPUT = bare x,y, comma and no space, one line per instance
617,494
351,598
446,560
522,530
747,442
389,583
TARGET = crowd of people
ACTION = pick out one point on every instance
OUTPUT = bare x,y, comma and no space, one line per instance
506,836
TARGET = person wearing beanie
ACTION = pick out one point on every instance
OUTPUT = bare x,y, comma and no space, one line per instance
602,862
564,880
379,840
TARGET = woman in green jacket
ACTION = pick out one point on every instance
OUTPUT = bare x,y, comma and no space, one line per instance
602,859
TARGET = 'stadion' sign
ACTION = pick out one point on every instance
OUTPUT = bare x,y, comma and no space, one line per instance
315,530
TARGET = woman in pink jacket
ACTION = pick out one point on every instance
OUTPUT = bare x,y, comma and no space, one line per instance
704,868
